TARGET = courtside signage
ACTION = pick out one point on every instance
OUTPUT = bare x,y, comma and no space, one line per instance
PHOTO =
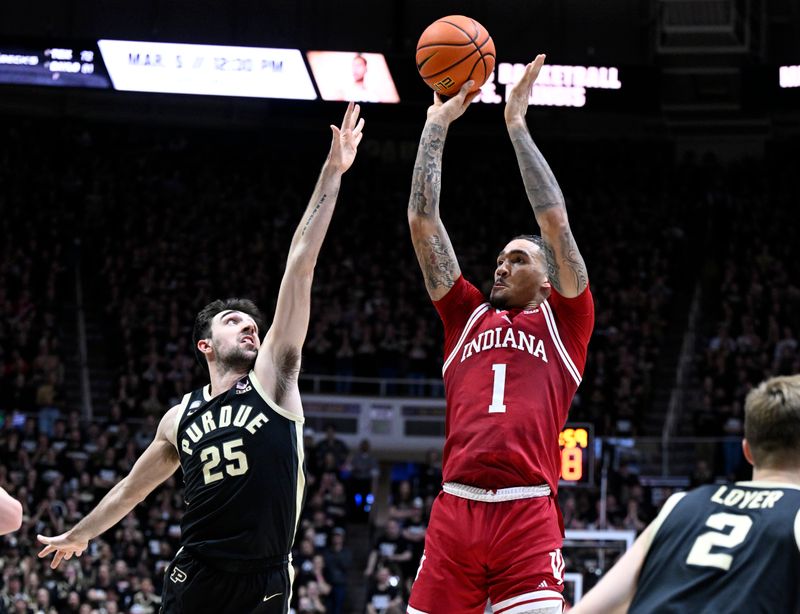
179,68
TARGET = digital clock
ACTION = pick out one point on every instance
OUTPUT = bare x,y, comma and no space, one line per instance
577,454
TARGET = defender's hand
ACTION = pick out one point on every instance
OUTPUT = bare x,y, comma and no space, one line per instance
517,104
344,143
64,545
446,112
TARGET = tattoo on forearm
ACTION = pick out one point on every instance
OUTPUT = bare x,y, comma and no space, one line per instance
426,184
574,261
540,183
439,266
544,194
552,266
314,213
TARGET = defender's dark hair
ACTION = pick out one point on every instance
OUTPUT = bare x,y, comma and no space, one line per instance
202,322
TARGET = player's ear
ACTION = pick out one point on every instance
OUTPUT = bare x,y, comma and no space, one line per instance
204,345
748,453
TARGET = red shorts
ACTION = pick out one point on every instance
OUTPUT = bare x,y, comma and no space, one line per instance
508,552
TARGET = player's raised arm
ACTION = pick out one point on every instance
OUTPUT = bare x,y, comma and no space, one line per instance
431,242
10,513
566,269
279,356
156,464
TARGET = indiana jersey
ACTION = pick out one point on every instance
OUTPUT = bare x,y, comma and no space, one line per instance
724,548
509,377
242,460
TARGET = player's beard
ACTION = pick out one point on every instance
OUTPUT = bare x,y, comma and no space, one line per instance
237,359
498,301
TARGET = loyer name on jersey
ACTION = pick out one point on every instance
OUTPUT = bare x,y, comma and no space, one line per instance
753,499
503,338
205,423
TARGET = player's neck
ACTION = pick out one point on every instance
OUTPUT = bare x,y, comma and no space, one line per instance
785,476
220,382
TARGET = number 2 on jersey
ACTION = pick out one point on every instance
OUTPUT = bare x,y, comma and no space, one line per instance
211,459
498,390
701,554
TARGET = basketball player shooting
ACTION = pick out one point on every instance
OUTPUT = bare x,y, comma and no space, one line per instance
723,548
239,439
512,366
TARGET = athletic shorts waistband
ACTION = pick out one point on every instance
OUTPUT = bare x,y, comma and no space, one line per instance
240,566
495,496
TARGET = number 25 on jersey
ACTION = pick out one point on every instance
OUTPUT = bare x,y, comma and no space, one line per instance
211,460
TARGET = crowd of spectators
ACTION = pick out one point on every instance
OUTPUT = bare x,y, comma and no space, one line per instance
60,477
196,218
751,306
34,287
398,542
170,219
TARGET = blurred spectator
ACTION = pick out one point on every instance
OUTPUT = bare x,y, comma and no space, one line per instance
338,562
390,547
364,470
430,474
384,596
331,445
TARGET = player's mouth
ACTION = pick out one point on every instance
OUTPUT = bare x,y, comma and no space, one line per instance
248,339
500,284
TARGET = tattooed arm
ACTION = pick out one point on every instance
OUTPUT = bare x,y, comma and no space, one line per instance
279,357
431,242
566,269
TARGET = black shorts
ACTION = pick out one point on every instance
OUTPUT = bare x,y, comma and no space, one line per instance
192,586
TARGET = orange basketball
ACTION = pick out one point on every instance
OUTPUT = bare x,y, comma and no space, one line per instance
453,50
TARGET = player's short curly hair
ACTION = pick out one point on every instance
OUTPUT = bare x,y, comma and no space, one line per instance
202,322
772,422
536,239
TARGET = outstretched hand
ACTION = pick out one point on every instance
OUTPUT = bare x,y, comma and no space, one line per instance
346,138
64,547
518,96
454,108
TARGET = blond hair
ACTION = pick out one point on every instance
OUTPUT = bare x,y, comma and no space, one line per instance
772,422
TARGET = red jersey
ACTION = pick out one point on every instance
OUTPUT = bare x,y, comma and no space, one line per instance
509,376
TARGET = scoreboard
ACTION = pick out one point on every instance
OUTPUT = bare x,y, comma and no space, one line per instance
576,441
53,65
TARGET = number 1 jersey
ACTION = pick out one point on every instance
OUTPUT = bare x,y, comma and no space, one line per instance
244,474
509,376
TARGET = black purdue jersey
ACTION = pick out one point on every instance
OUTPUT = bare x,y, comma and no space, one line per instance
244,475
724,548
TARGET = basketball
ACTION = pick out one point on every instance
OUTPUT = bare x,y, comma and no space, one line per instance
453,50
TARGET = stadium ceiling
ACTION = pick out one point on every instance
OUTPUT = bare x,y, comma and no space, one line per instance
577,31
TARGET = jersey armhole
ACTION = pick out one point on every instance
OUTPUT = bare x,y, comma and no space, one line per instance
179,416
272,404
662,516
